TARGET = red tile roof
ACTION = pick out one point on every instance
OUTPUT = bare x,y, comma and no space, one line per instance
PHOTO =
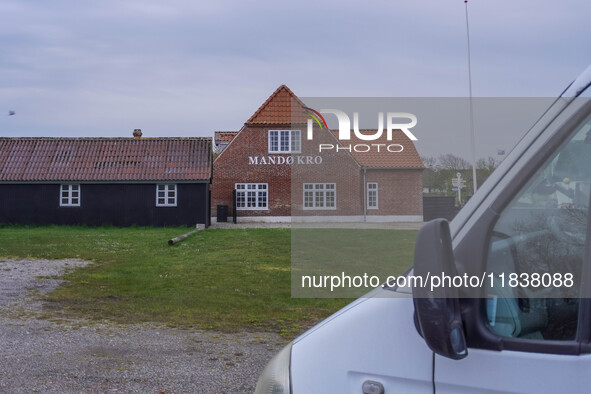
224,136
104,159
408,158
278,109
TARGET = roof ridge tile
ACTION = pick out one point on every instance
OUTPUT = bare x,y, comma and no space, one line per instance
272,111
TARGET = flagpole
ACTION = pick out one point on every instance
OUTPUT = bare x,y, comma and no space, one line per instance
472,142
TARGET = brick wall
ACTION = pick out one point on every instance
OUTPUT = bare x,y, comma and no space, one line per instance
336,167
232,166
400,192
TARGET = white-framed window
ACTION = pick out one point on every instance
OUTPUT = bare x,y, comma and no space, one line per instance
69,195
252,196
320,195
166,195
372,195
285,141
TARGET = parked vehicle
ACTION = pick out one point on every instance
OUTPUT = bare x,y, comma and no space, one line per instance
531,216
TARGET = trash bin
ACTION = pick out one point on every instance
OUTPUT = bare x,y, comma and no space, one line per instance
222,213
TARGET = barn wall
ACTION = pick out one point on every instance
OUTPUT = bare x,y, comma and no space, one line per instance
101,204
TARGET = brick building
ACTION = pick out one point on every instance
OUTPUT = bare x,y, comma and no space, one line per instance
277,174
222,139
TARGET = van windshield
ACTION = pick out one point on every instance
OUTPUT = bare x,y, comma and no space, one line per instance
539,243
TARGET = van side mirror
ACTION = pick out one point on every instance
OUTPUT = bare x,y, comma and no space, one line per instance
437,310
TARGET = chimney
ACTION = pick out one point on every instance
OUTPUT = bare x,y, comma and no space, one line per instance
137,133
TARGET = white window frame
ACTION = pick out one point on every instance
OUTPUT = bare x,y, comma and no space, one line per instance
293,146
258,188
369,192
168,200
324,191
69,189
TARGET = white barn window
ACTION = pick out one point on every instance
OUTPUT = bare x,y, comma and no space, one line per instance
320,196
166,195
252,196
69,195
372,195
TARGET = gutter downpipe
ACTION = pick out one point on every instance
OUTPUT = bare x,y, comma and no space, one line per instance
364,196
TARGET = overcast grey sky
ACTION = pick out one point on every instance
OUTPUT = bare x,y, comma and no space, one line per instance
187,67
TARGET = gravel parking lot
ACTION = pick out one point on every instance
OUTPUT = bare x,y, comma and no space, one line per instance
39,353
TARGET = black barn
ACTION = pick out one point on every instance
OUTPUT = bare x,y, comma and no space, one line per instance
96,181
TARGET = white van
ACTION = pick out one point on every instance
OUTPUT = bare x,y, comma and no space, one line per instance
530,217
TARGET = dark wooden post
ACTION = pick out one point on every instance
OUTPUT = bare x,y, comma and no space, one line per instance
234,206
208,209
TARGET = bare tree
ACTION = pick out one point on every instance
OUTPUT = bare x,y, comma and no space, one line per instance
453,162
438,175
488,164
430,162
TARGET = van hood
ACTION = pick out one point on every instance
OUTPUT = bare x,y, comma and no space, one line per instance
378,292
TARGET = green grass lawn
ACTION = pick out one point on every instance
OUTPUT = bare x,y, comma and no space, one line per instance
353,252
225,280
